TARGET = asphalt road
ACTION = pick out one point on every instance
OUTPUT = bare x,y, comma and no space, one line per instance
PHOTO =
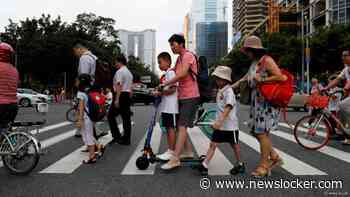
60,172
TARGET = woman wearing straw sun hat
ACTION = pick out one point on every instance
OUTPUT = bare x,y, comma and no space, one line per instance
264,117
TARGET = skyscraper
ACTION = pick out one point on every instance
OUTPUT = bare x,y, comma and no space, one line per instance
212,40
139,44
207,33
247,14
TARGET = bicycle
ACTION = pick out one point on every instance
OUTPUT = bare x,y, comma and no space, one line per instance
71,114
16,146
313,131
205,119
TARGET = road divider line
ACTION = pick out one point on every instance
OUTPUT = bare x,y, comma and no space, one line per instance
327,150
291,164
130,168
219,165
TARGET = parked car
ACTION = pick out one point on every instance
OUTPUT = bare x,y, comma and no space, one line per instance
28,97
140,96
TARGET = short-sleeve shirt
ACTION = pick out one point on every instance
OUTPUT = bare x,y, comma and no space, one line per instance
188,87
124,77
345,74
169,103
84,97
226,96
8,83
87,65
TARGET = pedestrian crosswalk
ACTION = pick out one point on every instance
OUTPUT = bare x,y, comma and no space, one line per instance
220,164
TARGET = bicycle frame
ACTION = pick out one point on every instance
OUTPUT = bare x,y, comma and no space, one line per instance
13,150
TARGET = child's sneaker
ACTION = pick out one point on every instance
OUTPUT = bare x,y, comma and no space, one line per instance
239,168
203,170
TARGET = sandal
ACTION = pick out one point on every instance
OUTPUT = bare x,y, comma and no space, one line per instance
90,161
261,171
101,152
85,151
275,162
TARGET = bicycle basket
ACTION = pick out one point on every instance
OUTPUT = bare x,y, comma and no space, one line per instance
317,101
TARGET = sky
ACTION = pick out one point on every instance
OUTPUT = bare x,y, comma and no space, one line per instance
165,16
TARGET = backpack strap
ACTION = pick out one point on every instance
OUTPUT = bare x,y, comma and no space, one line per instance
193,74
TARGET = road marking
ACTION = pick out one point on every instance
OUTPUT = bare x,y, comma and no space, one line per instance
71,162
53,140
291,164
330,151
219,165
305,130
130,168
50,127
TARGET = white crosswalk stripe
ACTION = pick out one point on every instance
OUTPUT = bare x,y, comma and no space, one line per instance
305,130
71,162
219,165
330,151
130,168
291,164
53,140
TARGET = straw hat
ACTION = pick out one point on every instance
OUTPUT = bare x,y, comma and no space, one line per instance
252,42
223,72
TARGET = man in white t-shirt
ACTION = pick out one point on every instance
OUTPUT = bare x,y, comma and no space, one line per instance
344,106
122,86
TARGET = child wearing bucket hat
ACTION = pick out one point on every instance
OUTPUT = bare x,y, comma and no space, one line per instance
226,125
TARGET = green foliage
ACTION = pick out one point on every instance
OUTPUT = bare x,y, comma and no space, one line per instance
326,46
44,45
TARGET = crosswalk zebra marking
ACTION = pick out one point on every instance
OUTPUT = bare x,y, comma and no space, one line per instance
291,164
219,165
305,130
53,140
72,161
130,168
330,151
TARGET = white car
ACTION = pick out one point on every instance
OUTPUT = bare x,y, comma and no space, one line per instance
28,97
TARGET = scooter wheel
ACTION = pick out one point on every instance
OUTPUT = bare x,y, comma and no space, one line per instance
142,163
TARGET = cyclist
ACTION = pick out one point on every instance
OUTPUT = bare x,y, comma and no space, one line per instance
8,86
344,106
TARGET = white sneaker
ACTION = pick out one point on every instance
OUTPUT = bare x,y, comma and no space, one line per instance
171,164
166,156
187,155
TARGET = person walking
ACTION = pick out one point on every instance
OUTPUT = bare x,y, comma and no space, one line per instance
189,98
87,65
122,86
264,116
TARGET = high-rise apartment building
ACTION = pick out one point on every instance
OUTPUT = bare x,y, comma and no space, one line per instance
139,44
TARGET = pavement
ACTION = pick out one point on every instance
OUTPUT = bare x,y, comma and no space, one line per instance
60,171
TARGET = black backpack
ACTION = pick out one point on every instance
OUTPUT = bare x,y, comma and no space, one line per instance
202,76
104,74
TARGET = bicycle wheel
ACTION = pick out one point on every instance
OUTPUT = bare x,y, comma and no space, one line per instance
25,156
71,115
207,121
312,132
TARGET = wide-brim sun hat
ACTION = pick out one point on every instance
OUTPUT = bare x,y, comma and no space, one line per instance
223,72
252,42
